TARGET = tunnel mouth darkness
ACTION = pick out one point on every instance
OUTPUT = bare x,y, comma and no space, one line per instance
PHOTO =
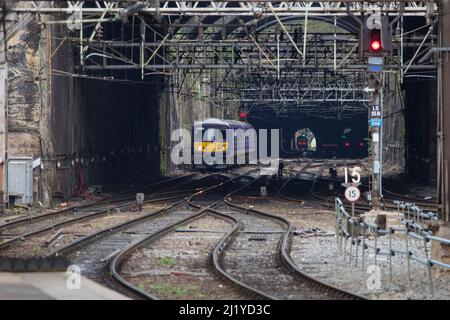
326,138
121,129
104,125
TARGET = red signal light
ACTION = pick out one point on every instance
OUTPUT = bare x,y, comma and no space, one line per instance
375,41
375,45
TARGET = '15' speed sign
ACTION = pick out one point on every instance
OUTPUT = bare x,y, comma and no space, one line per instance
352,194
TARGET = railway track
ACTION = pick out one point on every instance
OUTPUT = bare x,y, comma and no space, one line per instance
261,243
390,197
290,180
27,224
208,198
284,278
257,240
309,182
315,196
177,264
49,228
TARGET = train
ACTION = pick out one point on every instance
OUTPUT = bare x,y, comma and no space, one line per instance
302,143
212,139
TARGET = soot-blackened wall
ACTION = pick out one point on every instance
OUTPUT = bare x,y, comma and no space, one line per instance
97,131
120,131
421,117
103,132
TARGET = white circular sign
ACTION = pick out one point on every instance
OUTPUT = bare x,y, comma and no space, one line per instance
352,194
73,22
374,21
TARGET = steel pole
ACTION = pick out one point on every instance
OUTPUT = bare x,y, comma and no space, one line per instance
443,133
3,112
376,154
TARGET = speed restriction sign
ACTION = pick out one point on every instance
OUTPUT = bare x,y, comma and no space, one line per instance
352,194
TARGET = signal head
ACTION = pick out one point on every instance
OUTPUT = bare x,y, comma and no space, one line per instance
375,41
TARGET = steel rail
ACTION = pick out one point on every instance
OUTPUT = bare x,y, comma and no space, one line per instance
27,219
324,201
56,214
119,258
416,200
4,245
287,182
360,207
284,256
94,236
227,239
219,251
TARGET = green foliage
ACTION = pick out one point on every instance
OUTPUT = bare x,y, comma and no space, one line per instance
166,261
37,250
162,138
141,286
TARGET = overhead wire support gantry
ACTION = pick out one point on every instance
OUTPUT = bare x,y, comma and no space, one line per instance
236,7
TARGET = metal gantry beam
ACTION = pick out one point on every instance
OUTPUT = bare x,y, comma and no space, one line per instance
243,53
300,88
239,8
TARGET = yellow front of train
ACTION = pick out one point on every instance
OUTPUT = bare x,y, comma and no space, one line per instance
210,142
211,146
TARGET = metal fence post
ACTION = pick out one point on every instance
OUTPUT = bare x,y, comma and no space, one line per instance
351,248
390,253
408,256
345,247
376,248
429,265
336,208
398,208
363,245
341,235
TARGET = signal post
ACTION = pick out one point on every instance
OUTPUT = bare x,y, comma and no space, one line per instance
377,43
